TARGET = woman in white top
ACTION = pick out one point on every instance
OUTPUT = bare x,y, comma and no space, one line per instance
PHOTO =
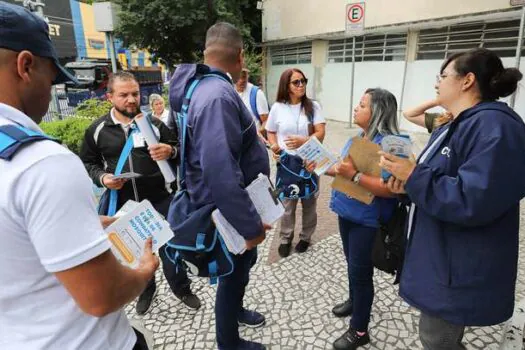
158,110
293,119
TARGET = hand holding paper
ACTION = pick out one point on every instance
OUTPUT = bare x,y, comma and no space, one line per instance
314,151
146,130
400,168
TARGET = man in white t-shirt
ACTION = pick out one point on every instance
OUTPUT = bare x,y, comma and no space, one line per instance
61,287
254,99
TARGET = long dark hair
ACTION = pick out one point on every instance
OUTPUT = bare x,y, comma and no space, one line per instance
493,79
283,92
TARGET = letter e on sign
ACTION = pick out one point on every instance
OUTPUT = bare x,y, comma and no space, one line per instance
355,18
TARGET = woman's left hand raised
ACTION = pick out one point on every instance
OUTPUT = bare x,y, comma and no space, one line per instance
346,168
295,141
400,168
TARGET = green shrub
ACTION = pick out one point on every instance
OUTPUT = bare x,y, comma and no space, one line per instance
92,109
69,131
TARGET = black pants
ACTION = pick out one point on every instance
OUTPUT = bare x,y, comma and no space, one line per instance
438,334
229,301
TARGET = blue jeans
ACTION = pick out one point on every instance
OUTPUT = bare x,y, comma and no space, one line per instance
358,241
229,301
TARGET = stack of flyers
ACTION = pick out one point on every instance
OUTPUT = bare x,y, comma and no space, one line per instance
399,145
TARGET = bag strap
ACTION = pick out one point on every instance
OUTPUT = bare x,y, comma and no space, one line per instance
128,146
183,122
253,102
15,137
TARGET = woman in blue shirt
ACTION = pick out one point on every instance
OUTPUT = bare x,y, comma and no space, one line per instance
376,115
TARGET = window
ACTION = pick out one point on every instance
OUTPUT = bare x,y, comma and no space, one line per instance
501,37
291,54
383,47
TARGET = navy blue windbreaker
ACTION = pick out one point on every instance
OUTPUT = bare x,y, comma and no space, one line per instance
462,252
224,153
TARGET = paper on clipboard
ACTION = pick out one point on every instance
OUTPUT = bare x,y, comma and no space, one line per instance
365,157
314,151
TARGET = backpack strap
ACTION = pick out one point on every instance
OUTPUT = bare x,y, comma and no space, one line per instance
14,137
182,119
253,102
128,146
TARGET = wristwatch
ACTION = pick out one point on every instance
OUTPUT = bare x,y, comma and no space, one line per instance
357,177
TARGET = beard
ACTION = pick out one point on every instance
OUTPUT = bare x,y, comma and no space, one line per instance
128,114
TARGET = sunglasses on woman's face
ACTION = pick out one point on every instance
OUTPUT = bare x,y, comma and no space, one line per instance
299,82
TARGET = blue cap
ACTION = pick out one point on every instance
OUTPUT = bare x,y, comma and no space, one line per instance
22,30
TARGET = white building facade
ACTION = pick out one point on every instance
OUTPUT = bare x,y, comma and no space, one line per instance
401,47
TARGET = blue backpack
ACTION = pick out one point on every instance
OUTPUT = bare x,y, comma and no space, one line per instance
196,241
14,137
292,180
253,102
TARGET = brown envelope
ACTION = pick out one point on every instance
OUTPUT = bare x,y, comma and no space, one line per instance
364,154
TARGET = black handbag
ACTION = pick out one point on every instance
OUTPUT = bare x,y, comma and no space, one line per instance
388,252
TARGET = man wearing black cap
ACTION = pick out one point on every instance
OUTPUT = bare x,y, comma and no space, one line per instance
61,287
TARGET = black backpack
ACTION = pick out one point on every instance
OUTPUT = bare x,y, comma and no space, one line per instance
388,252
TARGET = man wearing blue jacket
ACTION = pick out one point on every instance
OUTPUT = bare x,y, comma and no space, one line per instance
224,155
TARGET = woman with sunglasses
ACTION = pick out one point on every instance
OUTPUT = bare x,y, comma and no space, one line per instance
293,119
462,249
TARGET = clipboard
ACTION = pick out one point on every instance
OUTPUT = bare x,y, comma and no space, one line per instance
364,154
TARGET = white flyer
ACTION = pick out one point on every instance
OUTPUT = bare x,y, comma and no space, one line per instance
129,233
270,208
314,151
146,131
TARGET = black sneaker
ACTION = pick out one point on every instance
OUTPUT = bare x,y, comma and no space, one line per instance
302,246
189,299
145,300
251,319
343,309
284,249
350,340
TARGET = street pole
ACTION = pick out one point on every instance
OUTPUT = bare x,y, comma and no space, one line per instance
40,8
352,84
111,42
518,53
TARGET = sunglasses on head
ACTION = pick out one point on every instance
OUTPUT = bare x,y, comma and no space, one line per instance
299,82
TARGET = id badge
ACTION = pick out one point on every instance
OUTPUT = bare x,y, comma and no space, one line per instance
138,140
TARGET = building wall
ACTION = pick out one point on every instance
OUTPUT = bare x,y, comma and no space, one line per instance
302,18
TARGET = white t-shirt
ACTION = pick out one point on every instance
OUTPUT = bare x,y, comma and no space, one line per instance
261,102
49,224
286,120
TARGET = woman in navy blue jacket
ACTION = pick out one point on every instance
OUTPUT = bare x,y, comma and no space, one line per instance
376,114
462,250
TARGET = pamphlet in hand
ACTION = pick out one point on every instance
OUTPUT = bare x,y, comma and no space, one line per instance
130,175
399,145
314,151
261,192
136,223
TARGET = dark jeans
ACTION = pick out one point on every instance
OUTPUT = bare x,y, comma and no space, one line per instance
229,302
358,241
438,334
177,278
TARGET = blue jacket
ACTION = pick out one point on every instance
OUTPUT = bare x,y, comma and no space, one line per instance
223,152
462,251
357,212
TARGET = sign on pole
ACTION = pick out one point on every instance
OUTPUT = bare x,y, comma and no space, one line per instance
355,17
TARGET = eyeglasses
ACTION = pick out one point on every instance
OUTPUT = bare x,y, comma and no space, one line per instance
299,82
442,76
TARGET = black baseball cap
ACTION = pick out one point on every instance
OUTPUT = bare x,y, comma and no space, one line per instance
20,30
